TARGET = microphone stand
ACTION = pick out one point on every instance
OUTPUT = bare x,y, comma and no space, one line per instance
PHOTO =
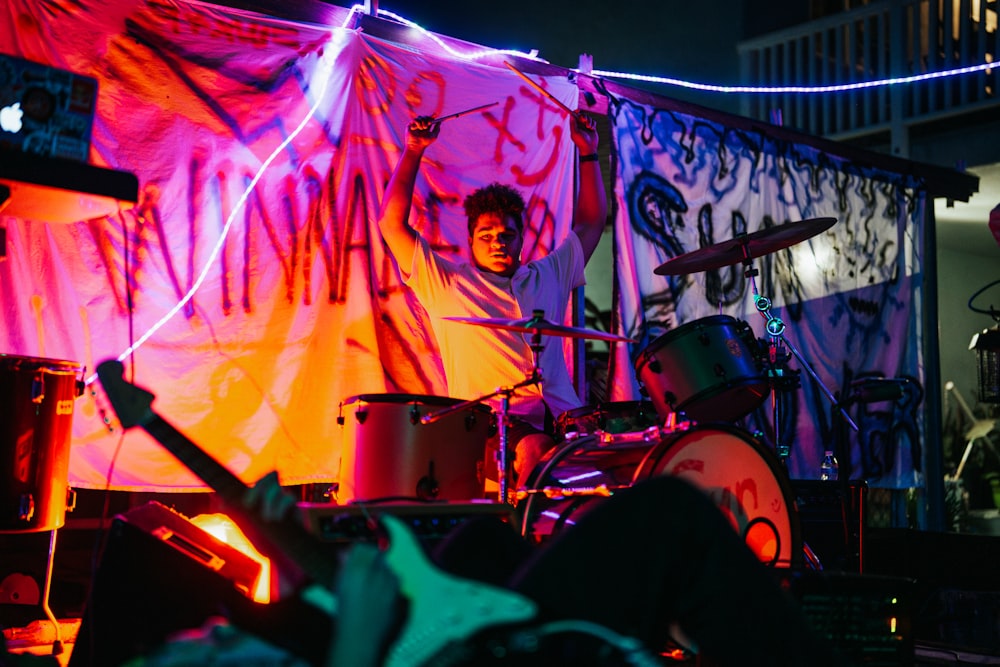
775,328
505,393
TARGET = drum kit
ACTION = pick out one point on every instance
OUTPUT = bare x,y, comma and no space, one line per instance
699,378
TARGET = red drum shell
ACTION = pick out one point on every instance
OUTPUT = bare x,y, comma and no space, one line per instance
388,453
37,397
742,477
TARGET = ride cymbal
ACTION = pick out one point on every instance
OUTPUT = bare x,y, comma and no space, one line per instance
744,247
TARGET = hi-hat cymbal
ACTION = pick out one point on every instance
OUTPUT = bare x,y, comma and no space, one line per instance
541,326
744,247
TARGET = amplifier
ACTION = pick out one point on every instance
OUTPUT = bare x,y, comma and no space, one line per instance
158,573
833,520
429,521
868,618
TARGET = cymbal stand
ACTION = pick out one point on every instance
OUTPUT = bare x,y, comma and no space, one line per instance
775,329
504,393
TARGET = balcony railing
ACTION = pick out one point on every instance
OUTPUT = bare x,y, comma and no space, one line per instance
884,40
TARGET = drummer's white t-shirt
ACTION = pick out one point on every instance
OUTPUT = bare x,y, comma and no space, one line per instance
478,360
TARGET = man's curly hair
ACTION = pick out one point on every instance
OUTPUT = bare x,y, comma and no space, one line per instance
495,198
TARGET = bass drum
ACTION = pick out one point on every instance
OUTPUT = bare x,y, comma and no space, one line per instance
742,476
388,453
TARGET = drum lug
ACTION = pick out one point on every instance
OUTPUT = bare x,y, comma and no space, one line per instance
670,399
414,415
361,415
38,388
70,499
470,421
26,507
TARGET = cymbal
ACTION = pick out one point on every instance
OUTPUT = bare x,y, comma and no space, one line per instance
747,246
541,326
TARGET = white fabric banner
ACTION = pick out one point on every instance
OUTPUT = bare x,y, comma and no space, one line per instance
261,295
848,297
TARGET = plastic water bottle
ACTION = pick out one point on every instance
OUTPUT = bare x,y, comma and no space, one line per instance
829,468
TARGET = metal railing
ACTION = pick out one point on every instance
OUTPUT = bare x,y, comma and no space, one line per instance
884,40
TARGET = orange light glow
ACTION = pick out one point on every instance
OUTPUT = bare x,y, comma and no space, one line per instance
224,529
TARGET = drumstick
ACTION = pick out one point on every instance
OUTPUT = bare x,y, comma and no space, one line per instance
539,88
462,113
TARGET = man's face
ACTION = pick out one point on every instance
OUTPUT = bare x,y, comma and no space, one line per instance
496,244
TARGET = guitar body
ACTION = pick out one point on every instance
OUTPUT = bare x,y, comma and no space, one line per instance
443,608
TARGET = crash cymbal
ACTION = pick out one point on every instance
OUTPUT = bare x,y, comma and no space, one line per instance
541,326
748,246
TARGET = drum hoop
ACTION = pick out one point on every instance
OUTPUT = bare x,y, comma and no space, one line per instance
668,336
17,363
411,399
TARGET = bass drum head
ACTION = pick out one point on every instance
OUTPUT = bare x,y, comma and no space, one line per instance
743,478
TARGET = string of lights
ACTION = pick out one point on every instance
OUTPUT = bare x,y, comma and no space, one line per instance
323,79
647,78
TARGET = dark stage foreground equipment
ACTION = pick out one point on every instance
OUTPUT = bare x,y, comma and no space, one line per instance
868,618
160,574
429,522
832,514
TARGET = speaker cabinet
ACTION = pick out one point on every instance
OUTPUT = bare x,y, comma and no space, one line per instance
429,521
868,618
159,573
832,516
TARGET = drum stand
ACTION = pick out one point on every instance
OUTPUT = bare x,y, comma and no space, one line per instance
775,328
505,393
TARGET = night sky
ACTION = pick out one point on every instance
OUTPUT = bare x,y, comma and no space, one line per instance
674,38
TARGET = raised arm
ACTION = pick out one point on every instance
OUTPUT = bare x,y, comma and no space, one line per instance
591,211
393,219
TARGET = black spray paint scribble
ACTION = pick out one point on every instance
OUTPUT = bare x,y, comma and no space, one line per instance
864,266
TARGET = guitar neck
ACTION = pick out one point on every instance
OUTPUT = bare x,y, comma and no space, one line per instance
286,536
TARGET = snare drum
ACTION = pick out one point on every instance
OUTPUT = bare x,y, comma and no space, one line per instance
36,420
388,452
742,476
707,369
610,417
